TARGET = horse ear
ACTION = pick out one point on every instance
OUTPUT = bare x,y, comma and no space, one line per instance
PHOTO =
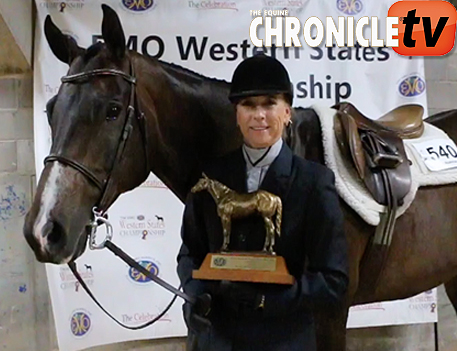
204,175
112,32
64,47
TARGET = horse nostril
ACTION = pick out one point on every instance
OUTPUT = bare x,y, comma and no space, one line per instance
55,234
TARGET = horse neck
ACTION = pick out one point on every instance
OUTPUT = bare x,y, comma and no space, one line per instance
189,120
217,190
304,136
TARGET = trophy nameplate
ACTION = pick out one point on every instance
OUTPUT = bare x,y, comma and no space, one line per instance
244,267
258,267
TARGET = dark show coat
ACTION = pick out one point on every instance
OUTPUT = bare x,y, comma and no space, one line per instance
312,242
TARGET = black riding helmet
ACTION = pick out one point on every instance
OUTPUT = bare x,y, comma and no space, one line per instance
260,75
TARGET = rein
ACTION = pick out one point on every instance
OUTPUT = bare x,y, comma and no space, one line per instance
104,185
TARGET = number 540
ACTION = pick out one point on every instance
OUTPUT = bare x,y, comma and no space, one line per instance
448,152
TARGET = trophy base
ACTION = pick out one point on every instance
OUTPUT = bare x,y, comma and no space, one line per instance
244,267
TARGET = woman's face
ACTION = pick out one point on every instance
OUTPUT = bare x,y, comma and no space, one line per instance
262,119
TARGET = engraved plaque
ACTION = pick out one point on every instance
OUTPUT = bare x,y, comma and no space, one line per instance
244,262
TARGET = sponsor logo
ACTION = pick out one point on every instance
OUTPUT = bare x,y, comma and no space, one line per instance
80,323
139,6
153,182
140,278
142,226
69,282
349,7
212,5
423,302
143,317
51,90
62,6
293,7
412,85
368,307
425,28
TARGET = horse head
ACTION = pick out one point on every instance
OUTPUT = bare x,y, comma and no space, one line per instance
202,184
95,133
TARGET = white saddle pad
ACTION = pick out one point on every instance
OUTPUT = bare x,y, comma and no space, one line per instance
430,154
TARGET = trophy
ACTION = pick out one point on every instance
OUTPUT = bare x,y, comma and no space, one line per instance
260,267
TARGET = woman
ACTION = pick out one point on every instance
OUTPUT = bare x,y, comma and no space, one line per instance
265,317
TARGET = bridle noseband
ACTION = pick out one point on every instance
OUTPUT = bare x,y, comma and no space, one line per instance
132,111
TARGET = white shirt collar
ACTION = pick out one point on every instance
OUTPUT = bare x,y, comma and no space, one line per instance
252,156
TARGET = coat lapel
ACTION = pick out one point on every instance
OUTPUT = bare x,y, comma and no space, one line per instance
234,172
278,178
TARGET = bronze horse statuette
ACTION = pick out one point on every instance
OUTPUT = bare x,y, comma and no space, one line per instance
231,204
186,120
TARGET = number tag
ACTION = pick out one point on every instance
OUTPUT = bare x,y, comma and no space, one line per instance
438,154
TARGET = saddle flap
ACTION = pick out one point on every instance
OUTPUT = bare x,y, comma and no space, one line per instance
378,154
348,139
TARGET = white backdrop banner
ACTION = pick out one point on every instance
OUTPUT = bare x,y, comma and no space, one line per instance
210,37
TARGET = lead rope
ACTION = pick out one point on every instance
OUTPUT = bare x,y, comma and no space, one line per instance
81,281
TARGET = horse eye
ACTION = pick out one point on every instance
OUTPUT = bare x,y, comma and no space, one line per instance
113,112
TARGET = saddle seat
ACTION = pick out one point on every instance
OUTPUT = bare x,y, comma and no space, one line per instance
376,148
406,121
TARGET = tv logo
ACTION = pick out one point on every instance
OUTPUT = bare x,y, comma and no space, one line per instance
425,28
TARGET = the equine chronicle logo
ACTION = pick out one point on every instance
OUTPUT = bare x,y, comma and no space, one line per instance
411,86
139,6
349,7
139,277
426,28
80,323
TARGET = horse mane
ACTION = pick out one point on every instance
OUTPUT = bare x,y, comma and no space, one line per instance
183,70
220,185
436,118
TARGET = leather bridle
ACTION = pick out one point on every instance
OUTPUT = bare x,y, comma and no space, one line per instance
133,111
103,185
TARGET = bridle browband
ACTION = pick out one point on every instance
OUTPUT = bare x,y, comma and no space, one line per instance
132,111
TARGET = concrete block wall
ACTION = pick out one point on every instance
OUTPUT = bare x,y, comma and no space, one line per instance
17,267
26,322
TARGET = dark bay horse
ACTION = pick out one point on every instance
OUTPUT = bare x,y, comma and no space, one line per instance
188,120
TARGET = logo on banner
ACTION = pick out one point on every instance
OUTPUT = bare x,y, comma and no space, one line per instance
368,307
411,86
212,5
143,317
153,182
80,323
68,280
63,6
426,28
294,7
349,7
423,302
139,277
139,6
143,227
